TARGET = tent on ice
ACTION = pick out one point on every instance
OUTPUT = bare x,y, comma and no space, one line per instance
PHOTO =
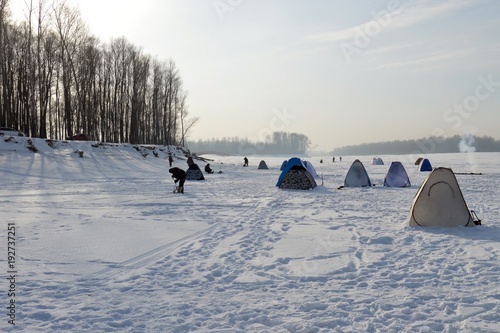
417,162
439,202
425,165
397,176
295,176
194,172
310,168
377,161
263,165
357,176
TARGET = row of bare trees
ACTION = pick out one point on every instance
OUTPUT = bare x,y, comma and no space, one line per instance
57,80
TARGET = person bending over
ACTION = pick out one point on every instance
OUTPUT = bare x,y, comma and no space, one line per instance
178,175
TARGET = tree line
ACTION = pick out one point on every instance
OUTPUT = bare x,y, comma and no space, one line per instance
277,143
433,144
57,80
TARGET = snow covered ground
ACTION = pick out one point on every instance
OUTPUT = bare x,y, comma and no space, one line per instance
103,245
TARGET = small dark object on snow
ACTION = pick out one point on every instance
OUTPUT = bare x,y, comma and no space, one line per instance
208,169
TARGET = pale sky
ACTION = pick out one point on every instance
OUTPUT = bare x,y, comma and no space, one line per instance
341,72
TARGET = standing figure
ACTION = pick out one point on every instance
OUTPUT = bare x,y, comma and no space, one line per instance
170,160
333,159
246,161
178,175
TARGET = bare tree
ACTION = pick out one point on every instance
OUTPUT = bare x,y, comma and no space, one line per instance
121,61
156,101
88,64
4,103
46,52
140,70
71,31
186,123
169,116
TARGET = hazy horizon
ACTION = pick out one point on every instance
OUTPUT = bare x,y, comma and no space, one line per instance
341,73
421,146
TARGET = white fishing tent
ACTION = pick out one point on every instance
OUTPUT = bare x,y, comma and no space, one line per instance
440,203
357,176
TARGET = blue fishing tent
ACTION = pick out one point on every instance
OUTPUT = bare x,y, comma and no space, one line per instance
425,165
295,176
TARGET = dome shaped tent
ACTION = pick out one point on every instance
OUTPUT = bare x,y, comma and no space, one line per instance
377,161
295,176
397,176
357,176
439,202
263,165
425,165
194,172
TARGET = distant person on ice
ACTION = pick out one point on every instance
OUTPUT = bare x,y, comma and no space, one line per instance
178,175
170,160
246,161
208,169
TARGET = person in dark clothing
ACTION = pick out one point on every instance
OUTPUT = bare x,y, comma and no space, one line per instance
208,169
178,175
246,161
170,160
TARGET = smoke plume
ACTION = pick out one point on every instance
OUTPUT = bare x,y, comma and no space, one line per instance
466,145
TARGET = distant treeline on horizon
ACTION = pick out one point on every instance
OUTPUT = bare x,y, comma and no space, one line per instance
430,145
276,143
